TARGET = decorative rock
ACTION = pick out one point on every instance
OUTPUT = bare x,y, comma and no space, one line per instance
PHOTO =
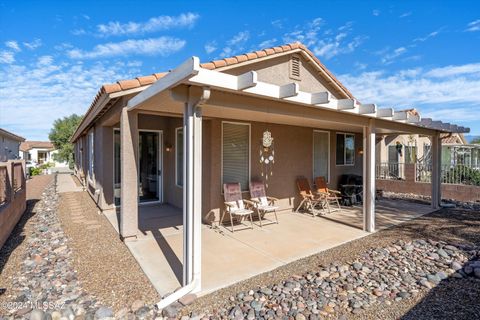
476,272
188,299
137,304
37,314
103,312
170,312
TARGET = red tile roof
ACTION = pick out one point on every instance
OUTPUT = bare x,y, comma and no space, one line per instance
138,82
27,145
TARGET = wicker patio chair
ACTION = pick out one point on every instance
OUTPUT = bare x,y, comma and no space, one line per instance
263,203
238,208
333,196
311,202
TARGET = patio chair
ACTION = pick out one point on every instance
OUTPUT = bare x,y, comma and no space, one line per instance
310,201
236,207
333,196
263,204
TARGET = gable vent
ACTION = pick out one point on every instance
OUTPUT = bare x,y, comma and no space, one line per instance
295,67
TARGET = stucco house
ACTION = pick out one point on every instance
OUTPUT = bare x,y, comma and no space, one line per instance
9,145
177,137
40,152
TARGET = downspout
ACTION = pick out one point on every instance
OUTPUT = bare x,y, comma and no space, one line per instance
191,280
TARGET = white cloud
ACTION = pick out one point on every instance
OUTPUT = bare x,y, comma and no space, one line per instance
13,45
268,43
449,71
6,57
473,26
115,28
78,32
235,44
428,36
33,44
155,46
405,14
277,23
389,57
331,43
376,12
210,47
240,37
34,95
434,87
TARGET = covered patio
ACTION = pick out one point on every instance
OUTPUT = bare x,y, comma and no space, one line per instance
229,257
210,258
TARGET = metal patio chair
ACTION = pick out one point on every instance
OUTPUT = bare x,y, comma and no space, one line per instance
238,208
333,196
311,202
263,203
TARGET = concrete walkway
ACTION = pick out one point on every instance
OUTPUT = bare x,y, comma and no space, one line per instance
65,183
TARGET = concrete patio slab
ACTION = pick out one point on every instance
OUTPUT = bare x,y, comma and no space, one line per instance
231,257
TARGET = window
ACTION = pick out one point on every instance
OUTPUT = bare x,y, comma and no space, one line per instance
321,154
179,156
236,153
345,154
90,155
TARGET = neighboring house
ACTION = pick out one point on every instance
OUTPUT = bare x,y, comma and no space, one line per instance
177,137
9,145
413,148
40,152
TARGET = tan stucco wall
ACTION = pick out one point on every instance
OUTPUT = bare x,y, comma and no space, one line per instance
293,158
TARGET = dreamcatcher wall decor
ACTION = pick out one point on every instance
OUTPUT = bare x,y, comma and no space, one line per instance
267,155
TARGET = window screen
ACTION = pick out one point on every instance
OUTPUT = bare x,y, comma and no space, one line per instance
321,154
236,154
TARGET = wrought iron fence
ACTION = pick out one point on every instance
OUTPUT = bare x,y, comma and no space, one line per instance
450,174
390,171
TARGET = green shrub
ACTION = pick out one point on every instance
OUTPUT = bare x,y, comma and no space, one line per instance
463,174
35,171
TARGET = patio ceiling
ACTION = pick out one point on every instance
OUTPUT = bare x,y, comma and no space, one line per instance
244,97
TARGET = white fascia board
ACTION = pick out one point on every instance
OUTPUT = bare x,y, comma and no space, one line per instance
385,113
186,70
400,116
247,80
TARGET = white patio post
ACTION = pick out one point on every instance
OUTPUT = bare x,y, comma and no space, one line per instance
436,170
129,174
192,187
369,176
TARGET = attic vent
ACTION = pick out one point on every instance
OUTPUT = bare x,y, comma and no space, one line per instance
295,67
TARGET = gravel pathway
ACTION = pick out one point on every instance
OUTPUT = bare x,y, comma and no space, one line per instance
104,264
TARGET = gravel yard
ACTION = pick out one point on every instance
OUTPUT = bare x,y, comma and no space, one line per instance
451,296
64,252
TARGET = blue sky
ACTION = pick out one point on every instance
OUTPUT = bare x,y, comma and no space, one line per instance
54,55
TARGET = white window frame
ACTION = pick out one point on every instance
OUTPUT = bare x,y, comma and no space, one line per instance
249,151
176,157
91,156
313,153
345,164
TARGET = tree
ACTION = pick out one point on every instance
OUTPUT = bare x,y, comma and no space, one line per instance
60,135
475,140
